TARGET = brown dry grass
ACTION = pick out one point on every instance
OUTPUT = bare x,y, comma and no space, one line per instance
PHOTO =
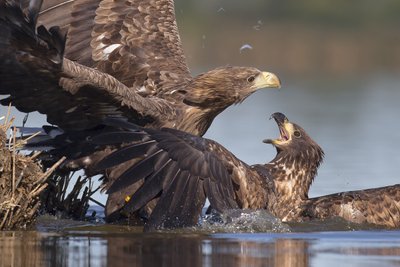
22,180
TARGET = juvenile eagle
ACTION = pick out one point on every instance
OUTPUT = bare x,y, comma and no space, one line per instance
183,170
119,59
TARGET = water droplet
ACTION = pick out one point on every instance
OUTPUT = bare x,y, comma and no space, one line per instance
245,47
257,27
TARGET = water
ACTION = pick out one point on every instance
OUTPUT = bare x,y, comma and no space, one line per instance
115,246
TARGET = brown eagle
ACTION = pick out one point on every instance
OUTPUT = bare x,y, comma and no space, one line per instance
183,170
119,59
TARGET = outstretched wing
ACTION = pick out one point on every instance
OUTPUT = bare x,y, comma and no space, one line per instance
180,168
136,41
379,206
37,78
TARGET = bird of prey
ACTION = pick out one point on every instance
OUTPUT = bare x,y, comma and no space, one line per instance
183,170
119,59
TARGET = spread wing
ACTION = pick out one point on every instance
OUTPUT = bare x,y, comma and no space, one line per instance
380,206
37,78
180,168
136,41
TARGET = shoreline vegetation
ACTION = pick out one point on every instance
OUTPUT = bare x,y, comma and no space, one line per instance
21,182
27,189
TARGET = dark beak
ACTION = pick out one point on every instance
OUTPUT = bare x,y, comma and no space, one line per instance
279,118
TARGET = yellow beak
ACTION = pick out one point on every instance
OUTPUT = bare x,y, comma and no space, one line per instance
267,80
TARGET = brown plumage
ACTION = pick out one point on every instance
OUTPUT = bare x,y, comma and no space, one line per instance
376,206
121,59
182,170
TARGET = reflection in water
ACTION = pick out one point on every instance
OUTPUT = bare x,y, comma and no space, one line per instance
20,249
279,252
195,250
291,252
74,251
155,251
166,249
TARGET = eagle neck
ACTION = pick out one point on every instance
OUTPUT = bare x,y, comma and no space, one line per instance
291,177
197,120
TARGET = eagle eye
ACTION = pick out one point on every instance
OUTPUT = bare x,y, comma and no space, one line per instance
183,92
251,79
297,134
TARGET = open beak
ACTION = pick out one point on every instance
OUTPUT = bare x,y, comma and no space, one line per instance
267,80
285,127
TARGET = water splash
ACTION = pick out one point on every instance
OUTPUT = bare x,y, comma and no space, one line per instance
239,221
245,47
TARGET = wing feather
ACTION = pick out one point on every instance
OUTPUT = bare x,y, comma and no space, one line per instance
139,171
37,78
152,187
123,154
181,167
138,43
166,215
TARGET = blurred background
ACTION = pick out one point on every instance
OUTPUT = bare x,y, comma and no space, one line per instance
339,63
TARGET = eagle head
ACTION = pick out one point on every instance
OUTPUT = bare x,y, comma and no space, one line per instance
219,88
296,163
294,143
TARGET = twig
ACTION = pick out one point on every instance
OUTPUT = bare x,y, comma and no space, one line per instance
49,171
13,164
25,141
35,155
37,190
4,219
97,202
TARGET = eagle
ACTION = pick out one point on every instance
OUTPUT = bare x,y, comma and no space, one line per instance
120,59
182,170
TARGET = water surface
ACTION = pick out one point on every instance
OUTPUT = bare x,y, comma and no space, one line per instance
121,246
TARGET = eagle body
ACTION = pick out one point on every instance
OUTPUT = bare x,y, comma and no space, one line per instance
95,59
183,170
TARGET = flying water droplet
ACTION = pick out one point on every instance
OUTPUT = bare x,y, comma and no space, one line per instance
245,47
257,27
